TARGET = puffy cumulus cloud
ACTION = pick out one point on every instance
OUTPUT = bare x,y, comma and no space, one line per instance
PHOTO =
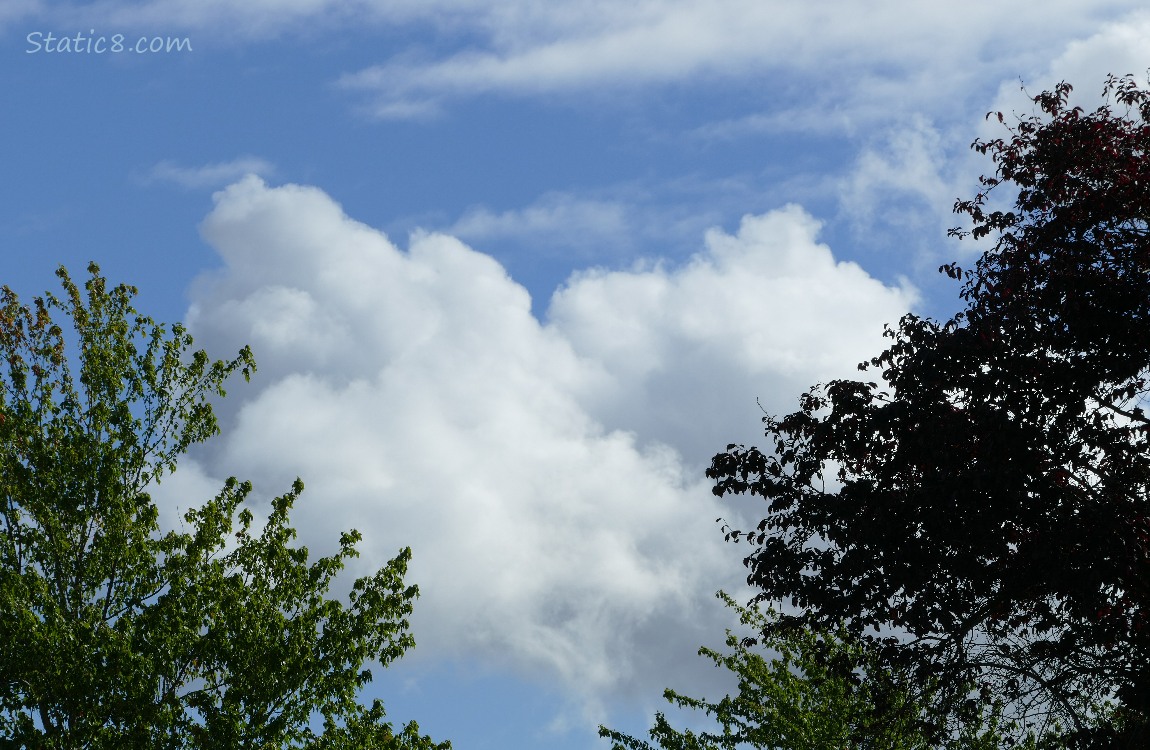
424,404
538,470
757,316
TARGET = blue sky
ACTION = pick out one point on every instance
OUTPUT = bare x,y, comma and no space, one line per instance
514,271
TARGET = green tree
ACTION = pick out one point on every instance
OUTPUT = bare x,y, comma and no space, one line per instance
989,505
116,633
807,690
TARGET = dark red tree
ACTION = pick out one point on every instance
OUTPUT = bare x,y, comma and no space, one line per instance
984,514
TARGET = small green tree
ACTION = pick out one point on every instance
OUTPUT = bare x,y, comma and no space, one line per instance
805,690
115,633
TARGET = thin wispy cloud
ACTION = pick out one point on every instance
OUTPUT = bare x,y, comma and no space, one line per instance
557,222
892,52
863,61
16,10
213,175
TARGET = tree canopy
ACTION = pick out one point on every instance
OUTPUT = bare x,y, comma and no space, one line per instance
116,633
808,690
982,515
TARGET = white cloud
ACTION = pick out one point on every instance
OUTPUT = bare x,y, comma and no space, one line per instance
838,63
15,10
213,175
849,65
1114,48
555,220
253,18
759,315
537,470
907,164
1117,48
422,403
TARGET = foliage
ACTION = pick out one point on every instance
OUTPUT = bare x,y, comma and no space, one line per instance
802,690
988,505
115,633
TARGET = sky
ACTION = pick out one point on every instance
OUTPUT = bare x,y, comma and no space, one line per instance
514,271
